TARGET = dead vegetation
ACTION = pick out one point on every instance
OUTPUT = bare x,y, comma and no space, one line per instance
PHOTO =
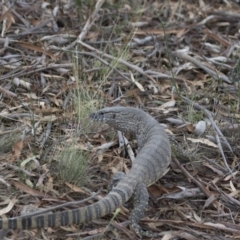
177,60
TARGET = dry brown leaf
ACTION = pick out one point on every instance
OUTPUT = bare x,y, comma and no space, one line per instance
23,83
7,19
184,193
7,93
228,177
32,96
167,236
203,141
197,217
75,188
36,48
100,157
209,201
179,32
140,87
156,190
164,107
48,110
28,190
220,173
16,150
50,118
9,207
190,127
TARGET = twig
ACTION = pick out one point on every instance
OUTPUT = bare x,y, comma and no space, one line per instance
188,175
29,70
214,163
121,139
129,150
32,30
124,142
7,93
64,205
137,41
212,73
87,26
16,116
15,168
106,63
215,128
109,227
134,67
4,182
226,198
46,135
222,153
155,74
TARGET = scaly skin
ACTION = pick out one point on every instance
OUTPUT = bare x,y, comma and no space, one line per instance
151,162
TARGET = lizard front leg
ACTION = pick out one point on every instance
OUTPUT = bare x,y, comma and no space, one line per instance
140,204
118,176
140,201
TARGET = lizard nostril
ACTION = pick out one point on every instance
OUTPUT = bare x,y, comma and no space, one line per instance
93,116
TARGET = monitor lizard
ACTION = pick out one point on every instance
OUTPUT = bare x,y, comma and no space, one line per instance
152,160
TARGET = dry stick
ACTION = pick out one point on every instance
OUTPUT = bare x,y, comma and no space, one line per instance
214,163
163,75
24,21
15,168
213,139
46,134
108,228
4,182
230,198
222,153
134,67
225,197
136,41
7,93
208,113
87,26
215,128
129,150
32,30
106,63
188,175
93,195
212,73
39,68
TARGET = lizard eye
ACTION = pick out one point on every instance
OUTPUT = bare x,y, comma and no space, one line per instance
114,116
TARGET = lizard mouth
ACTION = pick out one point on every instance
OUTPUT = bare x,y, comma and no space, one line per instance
96,117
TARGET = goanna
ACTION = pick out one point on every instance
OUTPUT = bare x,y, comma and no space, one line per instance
153,158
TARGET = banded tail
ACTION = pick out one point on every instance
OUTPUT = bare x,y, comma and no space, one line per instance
118,196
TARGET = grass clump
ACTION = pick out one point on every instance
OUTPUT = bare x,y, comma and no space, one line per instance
73,167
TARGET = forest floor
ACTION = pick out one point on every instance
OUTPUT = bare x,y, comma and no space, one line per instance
176,60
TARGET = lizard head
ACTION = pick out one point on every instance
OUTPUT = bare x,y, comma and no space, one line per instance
125,119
